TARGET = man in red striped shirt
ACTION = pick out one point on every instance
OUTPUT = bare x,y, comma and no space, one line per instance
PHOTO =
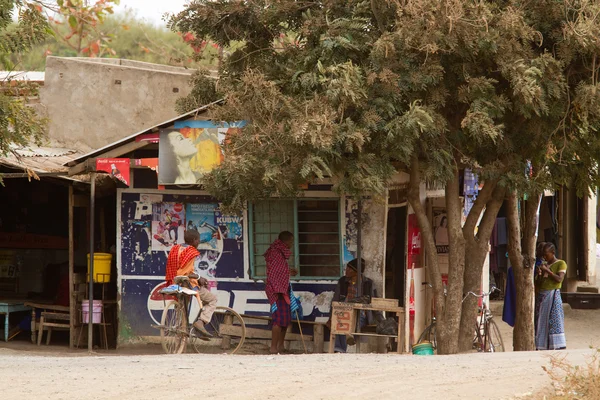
277,287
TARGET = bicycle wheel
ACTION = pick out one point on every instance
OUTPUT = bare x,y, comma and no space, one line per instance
172,328
493,338
429,335
228,332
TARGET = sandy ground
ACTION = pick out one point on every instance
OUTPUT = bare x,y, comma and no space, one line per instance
335,376
579,327
50,372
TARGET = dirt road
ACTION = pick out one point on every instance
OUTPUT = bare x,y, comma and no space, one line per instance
335,376
52,372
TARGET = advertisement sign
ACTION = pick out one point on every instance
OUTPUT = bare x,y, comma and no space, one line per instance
118,168
440,231
143,261
168,225
414,242
190,149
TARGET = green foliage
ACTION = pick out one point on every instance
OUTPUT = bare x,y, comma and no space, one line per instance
129,38
30,29
204,91
19,123
348,89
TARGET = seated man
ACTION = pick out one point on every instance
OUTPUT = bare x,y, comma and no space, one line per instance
346,291
181,263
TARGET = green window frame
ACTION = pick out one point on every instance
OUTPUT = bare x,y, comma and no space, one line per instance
317,227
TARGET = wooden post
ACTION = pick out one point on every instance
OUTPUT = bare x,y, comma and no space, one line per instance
102,230
72,298
400,339
91,272
226,342
319,338
33,326
359,250
331,342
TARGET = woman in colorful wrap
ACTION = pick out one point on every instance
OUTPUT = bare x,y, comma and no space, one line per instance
277,288
549,315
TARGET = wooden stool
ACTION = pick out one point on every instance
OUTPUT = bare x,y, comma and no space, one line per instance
52,316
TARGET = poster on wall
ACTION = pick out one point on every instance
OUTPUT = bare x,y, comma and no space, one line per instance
351,236
190,149
208,221
168,225
118,168
414,242
440,230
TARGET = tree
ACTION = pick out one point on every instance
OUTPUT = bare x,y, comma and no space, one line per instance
19,123
84,20
426,86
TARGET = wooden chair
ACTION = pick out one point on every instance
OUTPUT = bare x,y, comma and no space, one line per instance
50,320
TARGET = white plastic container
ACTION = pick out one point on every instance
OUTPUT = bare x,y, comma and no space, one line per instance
96,311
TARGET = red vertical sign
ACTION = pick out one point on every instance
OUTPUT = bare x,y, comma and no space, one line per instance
414,242
414,261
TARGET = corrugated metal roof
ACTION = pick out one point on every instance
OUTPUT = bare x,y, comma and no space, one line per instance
36,76
40,159
35,151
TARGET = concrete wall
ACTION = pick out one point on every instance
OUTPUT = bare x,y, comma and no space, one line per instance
94,102
373,239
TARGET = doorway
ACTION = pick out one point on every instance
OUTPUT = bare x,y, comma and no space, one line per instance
395,254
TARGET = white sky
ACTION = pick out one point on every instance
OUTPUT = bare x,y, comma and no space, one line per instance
152,10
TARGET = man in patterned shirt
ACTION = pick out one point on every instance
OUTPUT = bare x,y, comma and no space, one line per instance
277,287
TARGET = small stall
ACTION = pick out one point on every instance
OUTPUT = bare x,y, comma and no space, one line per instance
43,231
160,198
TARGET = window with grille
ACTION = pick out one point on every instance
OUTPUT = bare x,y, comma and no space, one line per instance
315,224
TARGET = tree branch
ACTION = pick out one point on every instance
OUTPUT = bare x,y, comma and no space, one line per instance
485,194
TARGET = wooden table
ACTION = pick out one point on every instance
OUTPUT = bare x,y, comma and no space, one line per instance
344,317
11,306
43,307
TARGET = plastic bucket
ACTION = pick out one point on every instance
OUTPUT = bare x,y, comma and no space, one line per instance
96,311
423,349
102,262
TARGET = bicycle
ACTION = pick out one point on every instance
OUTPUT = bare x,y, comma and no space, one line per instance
487,336
227,327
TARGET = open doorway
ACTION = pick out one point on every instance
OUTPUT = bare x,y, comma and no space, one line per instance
395,254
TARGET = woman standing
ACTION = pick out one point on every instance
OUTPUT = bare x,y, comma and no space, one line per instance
550,318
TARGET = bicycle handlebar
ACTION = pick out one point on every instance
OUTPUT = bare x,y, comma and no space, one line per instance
483,294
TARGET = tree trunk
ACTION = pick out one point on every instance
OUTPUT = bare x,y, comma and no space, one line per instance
477,249
522,258
428,242
450,325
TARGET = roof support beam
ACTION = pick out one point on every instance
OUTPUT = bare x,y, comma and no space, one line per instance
26,175
89,165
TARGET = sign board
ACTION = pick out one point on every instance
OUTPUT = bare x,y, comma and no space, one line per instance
118,168
191,149
343,318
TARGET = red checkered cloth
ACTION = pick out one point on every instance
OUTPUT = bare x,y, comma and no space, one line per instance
179,256
283,315
278,271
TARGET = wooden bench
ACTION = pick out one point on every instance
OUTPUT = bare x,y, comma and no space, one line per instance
317,338
50,320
